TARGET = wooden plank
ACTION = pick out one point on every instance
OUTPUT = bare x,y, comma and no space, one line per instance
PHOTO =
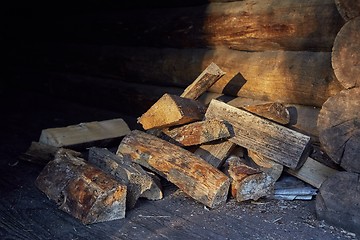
207,78
312,172
215,153
83,191
276,142
85,134
274,111
123,170
338,201
199,132
345,56
247,183
339,129
348,9
189,172
172,110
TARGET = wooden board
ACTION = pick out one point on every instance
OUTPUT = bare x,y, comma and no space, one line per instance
269,139
82,190
172,110
85,134
207,78
339,127
346,54
190,173
312,172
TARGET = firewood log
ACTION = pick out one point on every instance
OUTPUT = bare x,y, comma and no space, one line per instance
190,173
348,9
82,190
215,153
339,129
346,54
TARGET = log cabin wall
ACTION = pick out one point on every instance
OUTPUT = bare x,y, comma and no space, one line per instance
125,55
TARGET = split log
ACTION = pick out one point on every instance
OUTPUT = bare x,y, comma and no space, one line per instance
274,111
339,127
172,110
83,191
123,170
348,9
199,132
40,153
312,172
259,26
207,78
346,54
189,172
338,201
215,153
247,183
85,134
155,190
278,143
266,165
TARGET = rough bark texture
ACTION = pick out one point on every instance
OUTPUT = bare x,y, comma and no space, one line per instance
83,191
348,9
172,110
312,172
252,26
189,172
339,127
199,132
346,54
338,201
215,153
269,139
123,170
207,78
85,134
276,112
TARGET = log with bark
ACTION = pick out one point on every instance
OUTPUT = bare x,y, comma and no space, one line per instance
190,173
346,54
82,190
261,25
269,139
339,127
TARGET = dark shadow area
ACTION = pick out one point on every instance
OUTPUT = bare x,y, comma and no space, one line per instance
234,85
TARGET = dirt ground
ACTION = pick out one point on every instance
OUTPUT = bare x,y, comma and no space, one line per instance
26,213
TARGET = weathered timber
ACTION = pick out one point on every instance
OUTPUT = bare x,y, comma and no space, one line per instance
215,153
207,78
338,201
263,74
346,54
189,172
348,9
274,111
83,191
312,172
199,132
247,183
261,25
271,168
172,110
40,153
85,134
276,142
339,129
123,170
